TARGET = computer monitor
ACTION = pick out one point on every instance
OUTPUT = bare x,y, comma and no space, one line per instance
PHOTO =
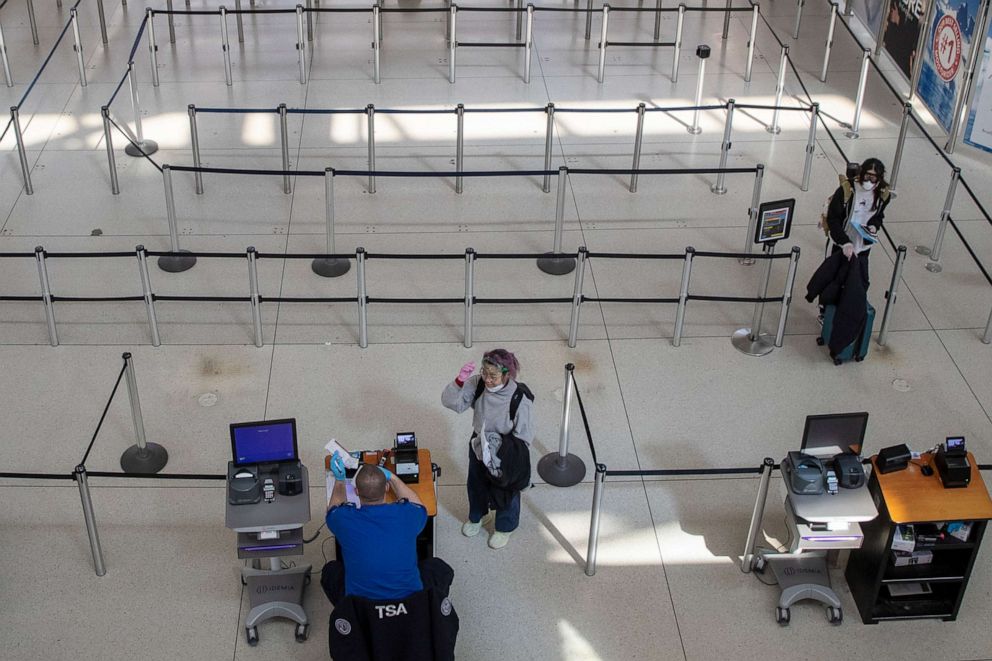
827,435
264,442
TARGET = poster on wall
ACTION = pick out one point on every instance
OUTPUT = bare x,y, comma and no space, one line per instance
979,130
870,13
945,55
902,31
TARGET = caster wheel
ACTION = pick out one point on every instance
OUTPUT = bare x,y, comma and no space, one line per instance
835,615
820,342
858,359
838,361
302,632
782,616
306,580
251,635
759,564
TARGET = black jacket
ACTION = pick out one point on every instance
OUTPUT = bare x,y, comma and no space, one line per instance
838,282
514,463
839,210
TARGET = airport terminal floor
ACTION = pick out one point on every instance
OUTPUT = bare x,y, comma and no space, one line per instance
668,583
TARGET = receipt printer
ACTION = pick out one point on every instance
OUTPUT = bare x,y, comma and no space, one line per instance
243,485
850,473
290,478
952,463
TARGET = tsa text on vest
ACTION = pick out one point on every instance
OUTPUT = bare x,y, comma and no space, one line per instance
391,610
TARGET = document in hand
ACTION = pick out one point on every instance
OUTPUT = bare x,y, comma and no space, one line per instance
867,236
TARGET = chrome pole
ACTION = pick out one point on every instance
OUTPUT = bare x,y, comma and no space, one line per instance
602,42
170,208
907,110
34,23
144,147
3,58
566,410
528,42
702,52
194,136
225,46
370,139
752,221
152,45
597,506
329,267
22,153
892,295
548,142
751,38
77,46
799,18
146,292
284,144
830,42
172,23
469,296
678,43
301,44
453,42
814,118
933,266
309,12
720,187
690,252
573,325
775,129
132,396
518,17
588,19
657,20
256,308
987,337
790,281
726,20
759,307
89,518
376,45
759,509
363,303
46,295
111,158
638,139
560,208
860,99
238,21
459,146
103,21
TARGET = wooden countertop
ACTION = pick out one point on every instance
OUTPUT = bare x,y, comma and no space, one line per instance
423,487
913,497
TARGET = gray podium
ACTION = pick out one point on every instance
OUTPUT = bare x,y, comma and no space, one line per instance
268,531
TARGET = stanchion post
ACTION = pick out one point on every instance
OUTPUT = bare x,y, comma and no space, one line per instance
284,144
814,118
562,469
174,263
453,41
309,6
519,22
790,281
907,110
892,295
370,139
752,213
830,42
8,78
89,518
225,46
376,45
459,146
799,18
111,158
783,63
363,302
237,20
933,265
255,302
40,257
703,53
860,99
751,38
588,19
554,263
750,340
720,187
679,25
548,143
142,457
77,46
987,336
602,42
690,252
597,506
767,467
103,21
146,292
657,20
34,23
152,45
301,44
469,296
329,267
580,271
194,137
22,153
172,22
144,147
726,21
638,139
528,41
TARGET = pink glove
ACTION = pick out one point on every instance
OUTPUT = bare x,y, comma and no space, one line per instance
848,249
465,372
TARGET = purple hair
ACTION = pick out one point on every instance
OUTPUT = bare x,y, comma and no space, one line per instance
504,360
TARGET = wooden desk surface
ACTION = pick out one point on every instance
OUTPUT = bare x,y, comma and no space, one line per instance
913,497
423,487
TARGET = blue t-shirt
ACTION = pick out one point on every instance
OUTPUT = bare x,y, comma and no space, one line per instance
379,545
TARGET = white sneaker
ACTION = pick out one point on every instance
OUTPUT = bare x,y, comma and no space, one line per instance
470,529
499,539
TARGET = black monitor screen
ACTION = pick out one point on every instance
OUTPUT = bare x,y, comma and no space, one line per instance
827,435
266,441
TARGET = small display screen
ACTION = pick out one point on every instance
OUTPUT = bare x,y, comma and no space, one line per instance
264,442
955,444
405,440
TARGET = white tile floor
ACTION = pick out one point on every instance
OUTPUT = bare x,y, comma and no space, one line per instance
668,585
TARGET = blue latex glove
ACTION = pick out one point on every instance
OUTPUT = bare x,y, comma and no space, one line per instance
337,467
389,476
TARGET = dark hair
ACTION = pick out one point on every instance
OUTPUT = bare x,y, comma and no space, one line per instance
370,483
879,168
504,360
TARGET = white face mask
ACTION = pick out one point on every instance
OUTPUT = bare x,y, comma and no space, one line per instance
496,388
868,185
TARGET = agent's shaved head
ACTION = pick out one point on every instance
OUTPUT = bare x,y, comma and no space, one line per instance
370,482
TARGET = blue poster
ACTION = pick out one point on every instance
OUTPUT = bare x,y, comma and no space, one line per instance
945,55
979,130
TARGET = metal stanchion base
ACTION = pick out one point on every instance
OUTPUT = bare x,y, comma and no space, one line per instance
560,472
695,130
923,250
718,190
556,265
758,346
853,135
150,459
176,263
329,267
934,267
774,130
745,261
149,147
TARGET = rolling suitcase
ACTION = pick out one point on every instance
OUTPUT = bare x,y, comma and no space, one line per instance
857,349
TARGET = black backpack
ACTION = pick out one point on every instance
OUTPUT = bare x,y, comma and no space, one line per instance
521,392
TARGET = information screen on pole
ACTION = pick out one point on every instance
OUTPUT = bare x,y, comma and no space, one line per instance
774,221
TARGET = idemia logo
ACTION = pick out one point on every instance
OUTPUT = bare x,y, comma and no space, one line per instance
947,47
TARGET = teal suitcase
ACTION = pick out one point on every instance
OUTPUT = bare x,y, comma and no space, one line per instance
858,349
